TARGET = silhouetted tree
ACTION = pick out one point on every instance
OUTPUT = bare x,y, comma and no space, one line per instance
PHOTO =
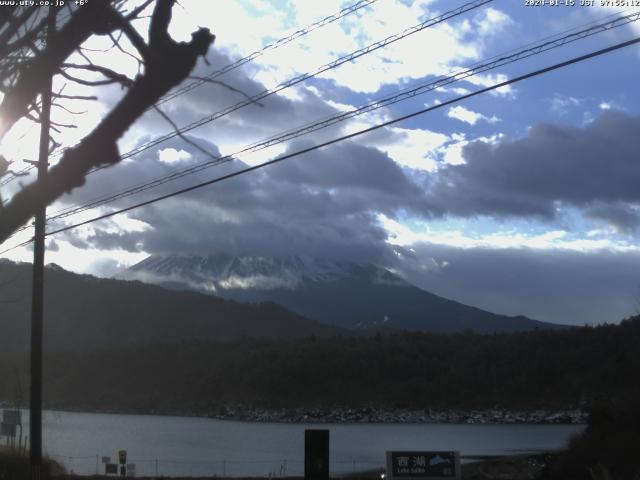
26,61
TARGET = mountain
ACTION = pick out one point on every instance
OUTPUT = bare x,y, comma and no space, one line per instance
84,312
349,295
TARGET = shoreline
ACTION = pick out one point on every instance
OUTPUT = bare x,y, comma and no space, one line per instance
372,415
405,416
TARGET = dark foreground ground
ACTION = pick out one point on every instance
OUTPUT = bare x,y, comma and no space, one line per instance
515,467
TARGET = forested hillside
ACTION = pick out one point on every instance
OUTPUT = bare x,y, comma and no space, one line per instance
85,313
555,369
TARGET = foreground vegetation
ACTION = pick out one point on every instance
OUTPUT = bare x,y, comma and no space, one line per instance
14,465
609,448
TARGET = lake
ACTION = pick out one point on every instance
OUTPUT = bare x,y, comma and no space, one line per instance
175,446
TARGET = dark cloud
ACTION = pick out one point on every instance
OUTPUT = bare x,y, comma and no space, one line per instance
551,166
323,204
326,203
558,286
624,218
254,122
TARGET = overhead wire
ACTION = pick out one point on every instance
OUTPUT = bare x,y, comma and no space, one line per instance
404,94
298,79
253,99
278,43
385,101
240,62
297,153
305,76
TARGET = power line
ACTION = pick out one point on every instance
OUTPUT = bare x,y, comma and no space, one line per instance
266,93
498,60
242,61
342,138
301,78
272,46
520,78
491,63
385,101
23,244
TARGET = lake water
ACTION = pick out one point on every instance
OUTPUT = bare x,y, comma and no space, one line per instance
173,446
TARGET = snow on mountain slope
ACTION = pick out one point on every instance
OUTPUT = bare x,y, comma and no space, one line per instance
344,294
217,273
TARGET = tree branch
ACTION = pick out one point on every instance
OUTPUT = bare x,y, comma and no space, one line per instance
107,72
31,81
227,86
162,72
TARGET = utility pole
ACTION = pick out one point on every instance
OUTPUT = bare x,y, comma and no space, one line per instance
37,292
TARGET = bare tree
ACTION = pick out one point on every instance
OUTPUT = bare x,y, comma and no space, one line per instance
26,61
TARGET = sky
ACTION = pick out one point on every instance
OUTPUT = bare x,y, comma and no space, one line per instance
523,200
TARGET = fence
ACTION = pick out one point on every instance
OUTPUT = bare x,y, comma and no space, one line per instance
225,467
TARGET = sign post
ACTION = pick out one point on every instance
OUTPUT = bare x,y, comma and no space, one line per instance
316,455
423,465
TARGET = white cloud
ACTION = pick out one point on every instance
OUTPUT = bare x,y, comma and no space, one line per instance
378,21
451,153
561,104
171,155
404,236
414,148
489,80
492,22
469,116
82,260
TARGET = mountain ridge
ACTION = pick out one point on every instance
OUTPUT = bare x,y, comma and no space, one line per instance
346,294
83,313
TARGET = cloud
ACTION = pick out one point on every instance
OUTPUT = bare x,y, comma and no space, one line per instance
323,204
623,218
550,167
551,240
171,155
413,148
490,80
328,204
558,286
458,41
468,116
561,104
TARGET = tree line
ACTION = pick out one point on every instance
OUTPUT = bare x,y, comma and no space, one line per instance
537,369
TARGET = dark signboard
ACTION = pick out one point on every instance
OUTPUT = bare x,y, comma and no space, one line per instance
423,465
122,457
111,468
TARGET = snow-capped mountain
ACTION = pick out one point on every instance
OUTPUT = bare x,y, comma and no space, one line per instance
346,294
221,273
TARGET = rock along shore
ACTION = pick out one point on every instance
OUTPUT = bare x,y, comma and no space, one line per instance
239,412
377,415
